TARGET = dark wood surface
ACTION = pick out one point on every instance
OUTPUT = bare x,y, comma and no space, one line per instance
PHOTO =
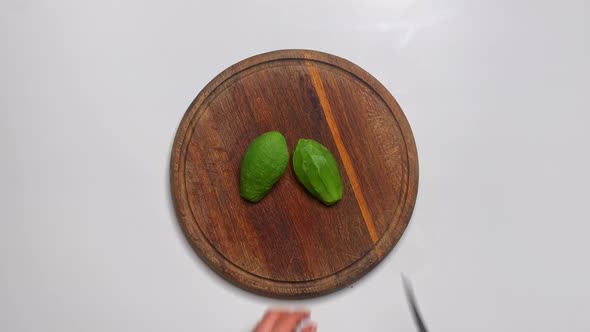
289,244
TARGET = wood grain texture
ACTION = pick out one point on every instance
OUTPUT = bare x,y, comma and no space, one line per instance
289,244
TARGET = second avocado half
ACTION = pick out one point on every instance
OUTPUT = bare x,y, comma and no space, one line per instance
317,170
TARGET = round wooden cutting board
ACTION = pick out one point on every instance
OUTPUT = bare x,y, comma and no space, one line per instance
290,244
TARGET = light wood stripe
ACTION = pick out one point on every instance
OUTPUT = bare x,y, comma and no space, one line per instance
350,172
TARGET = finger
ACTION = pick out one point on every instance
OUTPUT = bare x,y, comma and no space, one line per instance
289,322
269,320
310,328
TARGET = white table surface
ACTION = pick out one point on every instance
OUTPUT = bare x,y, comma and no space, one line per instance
496,93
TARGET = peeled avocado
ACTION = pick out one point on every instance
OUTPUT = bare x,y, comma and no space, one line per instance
263,164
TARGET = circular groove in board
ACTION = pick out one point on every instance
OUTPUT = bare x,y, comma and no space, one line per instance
289,244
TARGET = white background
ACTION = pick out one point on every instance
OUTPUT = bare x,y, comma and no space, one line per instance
496,92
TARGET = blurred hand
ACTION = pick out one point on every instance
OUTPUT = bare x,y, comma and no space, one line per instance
284,321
